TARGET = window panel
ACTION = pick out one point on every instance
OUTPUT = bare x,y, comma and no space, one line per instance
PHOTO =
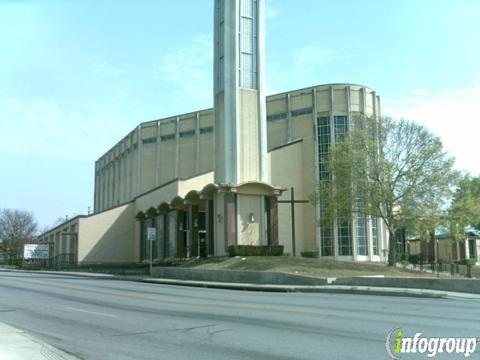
344,237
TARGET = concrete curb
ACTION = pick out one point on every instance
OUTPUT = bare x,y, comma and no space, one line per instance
327,288
63,273
471,286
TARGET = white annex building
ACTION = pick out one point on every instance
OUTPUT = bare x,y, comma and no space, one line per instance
218,177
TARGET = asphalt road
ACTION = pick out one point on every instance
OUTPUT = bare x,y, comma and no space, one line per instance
113,319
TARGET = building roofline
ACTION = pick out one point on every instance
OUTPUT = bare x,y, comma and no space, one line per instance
175,116
62,224
178,179
293,142
319,85
209,109
151,121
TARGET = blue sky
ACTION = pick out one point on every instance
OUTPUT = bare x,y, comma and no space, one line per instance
76,76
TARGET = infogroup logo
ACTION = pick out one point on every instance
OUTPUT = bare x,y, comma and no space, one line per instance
397,343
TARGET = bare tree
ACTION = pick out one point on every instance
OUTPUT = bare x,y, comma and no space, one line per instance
16,227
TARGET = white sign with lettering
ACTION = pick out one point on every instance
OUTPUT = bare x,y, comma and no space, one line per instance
151,234
36,251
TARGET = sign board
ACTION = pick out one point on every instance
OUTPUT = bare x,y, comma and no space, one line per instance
36,251
151,234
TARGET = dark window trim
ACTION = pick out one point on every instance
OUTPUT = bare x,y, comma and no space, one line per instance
167,137
303,111
187,133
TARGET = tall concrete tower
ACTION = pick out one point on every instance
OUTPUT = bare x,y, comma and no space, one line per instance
245,204
240,119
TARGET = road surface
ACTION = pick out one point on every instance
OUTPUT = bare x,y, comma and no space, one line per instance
113,319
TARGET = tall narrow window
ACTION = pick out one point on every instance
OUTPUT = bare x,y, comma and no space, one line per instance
361,224
341,127
248,66
326,234
344,237
375,247
361,235
323,134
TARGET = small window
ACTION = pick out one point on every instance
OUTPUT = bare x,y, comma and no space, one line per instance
167,137
303,111
188,133
206,130
151,140
276,117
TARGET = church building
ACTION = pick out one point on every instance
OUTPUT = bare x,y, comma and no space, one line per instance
222,176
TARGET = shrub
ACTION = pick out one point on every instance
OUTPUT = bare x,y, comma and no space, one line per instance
254,250
416,259
309,254
468,262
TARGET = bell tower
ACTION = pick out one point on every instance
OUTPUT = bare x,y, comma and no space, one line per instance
245,202
239,99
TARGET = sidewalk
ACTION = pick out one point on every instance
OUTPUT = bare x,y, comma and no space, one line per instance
16,344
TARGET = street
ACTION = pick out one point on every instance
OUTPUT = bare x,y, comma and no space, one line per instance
112,319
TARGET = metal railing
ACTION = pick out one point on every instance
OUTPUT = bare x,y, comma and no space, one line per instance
64,260
444,268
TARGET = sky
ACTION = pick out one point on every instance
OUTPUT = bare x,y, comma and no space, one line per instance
77,75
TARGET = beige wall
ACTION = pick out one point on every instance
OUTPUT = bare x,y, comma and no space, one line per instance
248,135
107,236
188,137
166,193
195,183
62,237
206,141
148,151
289,173
444,248
156,197
153,154
250,232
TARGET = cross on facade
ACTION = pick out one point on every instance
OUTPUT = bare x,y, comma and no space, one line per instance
292,203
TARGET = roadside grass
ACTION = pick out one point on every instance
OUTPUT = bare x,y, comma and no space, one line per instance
304,266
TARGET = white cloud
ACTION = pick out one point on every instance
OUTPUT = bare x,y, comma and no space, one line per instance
452,114
188,69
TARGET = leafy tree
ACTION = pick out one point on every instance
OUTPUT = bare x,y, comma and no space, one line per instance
396,171
465,207
16,227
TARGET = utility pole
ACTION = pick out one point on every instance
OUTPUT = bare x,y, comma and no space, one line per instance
151,256
151,236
